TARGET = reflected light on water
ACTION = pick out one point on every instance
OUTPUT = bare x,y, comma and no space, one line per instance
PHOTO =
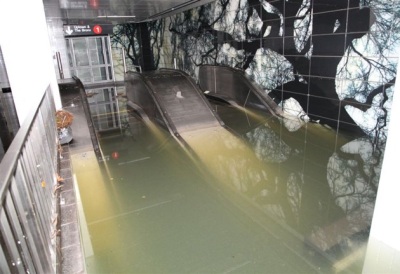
229,159
98,205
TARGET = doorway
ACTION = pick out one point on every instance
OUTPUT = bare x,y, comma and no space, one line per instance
90,59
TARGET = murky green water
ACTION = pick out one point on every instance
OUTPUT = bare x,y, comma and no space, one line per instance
263,196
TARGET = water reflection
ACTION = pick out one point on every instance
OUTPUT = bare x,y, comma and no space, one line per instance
319,182
105,106
316,183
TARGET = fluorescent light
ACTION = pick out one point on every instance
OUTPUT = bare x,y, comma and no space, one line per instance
116,16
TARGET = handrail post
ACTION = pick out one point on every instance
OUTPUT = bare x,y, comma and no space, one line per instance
59,64
123,59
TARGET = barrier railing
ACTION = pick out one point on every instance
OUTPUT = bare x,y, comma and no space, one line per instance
27,180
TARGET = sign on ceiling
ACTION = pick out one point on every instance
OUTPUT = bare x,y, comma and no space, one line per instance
87,30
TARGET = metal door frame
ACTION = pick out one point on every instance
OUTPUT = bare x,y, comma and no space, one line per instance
106,51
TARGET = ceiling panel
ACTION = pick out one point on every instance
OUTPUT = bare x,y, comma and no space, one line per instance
119,11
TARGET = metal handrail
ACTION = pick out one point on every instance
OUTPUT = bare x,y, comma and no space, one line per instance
124,62
28,174
89,119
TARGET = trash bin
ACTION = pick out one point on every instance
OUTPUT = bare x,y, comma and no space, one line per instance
65,135
64,120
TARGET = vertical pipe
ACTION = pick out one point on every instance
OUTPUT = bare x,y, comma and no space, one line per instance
59,64
175,63
109,49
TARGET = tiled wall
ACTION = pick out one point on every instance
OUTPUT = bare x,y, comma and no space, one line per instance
57,40
336,58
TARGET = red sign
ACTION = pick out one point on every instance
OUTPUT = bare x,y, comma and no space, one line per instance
97,29
87,30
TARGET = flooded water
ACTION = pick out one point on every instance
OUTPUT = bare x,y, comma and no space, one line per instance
263,195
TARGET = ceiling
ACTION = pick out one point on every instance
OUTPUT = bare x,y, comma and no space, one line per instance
118,11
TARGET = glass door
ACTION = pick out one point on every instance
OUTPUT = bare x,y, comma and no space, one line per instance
90,59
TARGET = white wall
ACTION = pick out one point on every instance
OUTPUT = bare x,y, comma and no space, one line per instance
27,55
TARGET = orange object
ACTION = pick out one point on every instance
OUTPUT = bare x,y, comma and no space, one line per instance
59,178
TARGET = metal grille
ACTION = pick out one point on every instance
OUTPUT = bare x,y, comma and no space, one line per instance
28,175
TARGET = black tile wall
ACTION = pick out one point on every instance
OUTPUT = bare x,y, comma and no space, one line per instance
324,66
328,44
275,44
313,36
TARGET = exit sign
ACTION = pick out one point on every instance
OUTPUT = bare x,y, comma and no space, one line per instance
87,30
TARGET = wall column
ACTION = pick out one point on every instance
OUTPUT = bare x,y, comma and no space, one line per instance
383,251
147,60
27,54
